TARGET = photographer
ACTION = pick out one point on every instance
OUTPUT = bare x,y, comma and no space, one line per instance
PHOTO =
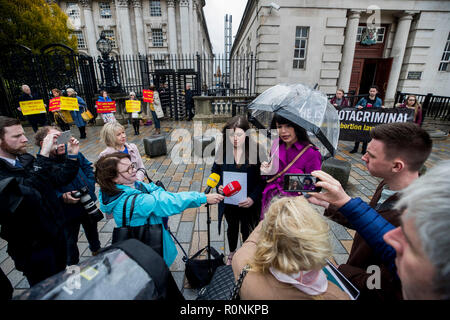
32,219
74,210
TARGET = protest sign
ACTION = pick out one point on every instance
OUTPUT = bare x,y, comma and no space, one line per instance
106,107
132,106
148,96
32,107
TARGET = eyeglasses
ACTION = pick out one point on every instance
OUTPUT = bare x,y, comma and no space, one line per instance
130,169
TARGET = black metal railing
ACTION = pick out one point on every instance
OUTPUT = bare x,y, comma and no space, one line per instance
436,107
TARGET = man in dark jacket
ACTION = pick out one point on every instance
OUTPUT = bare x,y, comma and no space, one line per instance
33,220
74,211
34,119
395,154
189,100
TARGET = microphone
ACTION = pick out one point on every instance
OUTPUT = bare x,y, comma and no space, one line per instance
212,182
231,189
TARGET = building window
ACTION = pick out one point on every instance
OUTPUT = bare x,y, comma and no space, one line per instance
301,44
80,39
109,34
380,34
157,38
73,12
105,10
445,56
155,8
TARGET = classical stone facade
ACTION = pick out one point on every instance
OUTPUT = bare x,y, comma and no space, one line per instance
329,43
140,26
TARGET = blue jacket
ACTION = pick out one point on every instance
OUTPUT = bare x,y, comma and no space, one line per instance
101,99
372,227
153,202
85,177
76,115
363,102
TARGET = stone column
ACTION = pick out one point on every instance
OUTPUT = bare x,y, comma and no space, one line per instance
91,34
195,28
348,51
172,27
397,52
184,24
140,32
123,26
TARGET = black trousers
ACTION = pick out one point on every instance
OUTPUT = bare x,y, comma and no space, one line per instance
37,119
364,146
136,125
73,229
236,216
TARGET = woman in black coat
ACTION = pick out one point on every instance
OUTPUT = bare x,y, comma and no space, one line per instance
246,213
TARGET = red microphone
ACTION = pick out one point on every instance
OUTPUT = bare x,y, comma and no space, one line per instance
231,189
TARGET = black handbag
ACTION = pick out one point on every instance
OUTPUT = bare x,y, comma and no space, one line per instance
222,285
197,269
149,234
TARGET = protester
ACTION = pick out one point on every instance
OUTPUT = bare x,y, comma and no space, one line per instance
371,101
114,137
156,102
308,184
395,154
76,115
295,185
412,103
73,210
106,117
135,116
293,140
32,220
285,254
63,118
418,249
246,213
189,102
34,119
116,175
339,101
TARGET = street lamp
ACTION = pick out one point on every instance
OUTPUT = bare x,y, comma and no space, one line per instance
107,65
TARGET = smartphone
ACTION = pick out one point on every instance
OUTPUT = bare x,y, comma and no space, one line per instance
64,137
296,182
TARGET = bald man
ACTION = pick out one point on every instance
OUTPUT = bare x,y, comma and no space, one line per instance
35,119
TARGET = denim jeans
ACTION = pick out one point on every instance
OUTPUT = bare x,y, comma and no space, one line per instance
156,120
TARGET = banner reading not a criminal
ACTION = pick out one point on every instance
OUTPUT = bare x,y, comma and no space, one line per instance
355,124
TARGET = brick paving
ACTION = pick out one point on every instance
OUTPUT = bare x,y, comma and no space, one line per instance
190,226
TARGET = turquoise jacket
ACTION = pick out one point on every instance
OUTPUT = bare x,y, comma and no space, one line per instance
153,202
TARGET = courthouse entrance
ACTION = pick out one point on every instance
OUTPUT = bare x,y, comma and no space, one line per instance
369,66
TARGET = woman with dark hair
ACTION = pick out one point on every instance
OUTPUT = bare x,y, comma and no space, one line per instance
308,184
116,175
246,213
295,154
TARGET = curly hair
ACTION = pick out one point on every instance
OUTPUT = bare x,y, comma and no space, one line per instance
293,238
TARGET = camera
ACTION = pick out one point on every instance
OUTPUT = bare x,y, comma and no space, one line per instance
300,183
88,204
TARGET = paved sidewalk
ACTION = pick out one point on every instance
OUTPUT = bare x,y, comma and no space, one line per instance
190,226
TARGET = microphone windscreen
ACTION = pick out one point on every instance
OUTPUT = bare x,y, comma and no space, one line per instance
232,188
213,180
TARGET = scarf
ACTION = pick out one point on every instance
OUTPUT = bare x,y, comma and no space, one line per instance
312,283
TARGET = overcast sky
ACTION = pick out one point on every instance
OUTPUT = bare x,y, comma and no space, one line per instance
215,11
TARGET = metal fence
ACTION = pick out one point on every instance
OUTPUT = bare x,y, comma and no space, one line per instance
170,74
433,106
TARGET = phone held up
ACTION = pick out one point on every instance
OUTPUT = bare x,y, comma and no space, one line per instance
64,137
300,183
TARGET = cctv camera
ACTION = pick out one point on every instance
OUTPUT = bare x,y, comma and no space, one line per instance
275,6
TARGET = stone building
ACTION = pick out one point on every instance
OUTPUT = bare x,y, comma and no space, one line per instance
397,45
140,26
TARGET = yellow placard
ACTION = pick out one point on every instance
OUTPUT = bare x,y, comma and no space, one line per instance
70,104
32,107
133,105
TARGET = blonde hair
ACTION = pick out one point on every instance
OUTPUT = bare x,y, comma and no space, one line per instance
416,105
294,237
109,132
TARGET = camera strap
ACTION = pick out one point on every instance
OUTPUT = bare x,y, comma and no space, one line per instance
290,164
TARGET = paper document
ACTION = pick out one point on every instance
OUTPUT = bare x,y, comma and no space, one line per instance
241,177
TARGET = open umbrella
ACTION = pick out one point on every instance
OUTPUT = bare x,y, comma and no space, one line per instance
302,105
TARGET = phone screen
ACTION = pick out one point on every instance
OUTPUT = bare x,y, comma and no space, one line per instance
300,183
64,137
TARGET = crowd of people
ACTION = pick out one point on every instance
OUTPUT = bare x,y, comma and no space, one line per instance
286,243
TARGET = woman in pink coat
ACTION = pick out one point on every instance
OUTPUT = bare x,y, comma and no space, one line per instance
293,139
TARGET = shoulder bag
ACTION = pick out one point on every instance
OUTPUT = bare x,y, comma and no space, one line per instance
149,234
279,174
86,115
